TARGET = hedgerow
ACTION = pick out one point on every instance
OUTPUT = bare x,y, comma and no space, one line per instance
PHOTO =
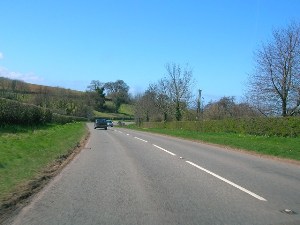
262,126
63,119
14,112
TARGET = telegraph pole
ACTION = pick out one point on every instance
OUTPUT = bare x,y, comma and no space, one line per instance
199,104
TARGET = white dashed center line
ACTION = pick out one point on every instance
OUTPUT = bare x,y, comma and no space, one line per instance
171,153
207,171
140,139
227,181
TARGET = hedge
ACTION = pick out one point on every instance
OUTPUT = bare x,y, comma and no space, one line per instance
262,126
62,119
14,112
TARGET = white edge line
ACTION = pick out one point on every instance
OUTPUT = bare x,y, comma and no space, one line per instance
171,153
227,181
140,139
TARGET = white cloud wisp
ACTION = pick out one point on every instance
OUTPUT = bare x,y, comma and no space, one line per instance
26,77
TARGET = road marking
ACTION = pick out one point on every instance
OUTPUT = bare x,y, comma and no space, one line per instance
171,153
127,134
140,139
227,181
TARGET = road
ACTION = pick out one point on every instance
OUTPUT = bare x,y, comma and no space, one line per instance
129,177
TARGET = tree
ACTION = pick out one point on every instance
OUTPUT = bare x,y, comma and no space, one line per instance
96,94
117,86
172,94
95,85
178,84
161,99
168,98
118,92
145,107
274,88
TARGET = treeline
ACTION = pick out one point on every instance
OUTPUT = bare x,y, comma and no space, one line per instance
272,90
224,115
14,112
171,99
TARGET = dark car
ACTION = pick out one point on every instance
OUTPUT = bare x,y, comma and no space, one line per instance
100,123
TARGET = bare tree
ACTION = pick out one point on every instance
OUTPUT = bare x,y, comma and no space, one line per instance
161,99
274,88
169,97
178,84
145,107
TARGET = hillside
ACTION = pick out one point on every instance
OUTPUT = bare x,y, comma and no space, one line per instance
60,100
17,86
126,112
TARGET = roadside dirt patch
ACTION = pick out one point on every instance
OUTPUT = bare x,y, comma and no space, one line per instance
26,191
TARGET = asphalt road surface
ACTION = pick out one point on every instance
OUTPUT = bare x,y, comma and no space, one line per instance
130,177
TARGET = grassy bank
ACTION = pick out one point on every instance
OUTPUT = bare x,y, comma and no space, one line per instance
25,151
283,147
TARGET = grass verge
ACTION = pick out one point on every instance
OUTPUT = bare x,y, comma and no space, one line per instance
282,147
26,152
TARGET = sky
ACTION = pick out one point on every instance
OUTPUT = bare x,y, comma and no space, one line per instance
67,43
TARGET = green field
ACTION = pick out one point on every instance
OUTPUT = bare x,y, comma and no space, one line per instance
126,112
282,147
127,109
26,152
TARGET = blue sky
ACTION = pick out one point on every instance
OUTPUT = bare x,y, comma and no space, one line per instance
68,43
